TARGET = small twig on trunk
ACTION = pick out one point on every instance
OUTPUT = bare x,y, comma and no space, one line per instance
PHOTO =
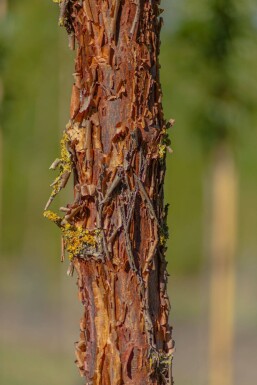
146,199
111,189
55,164
64,209
131,207
115,232
153,247
127,239
72,214
62,250
100,227
58,185
70,270
144,292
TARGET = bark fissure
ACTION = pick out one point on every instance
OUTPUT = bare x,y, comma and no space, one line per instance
115,143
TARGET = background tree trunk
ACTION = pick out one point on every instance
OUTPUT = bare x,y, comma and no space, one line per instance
222,280
115,230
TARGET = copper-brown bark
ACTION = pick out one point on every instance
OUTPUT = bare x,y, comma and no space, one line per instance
117,140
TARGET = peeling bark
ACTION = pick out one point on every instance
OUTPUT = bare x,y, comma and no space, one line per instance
117,137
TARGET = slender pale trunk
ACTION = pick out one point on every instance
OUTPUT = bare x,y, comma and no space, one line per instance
3,9
222,280
115,230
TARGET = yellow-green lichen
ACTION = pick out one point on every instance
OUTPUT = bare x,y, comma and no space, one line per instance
163,240
62,21
65,167
162,150
76,238
160,362
164,229
164,144
65,155
166,359
52,217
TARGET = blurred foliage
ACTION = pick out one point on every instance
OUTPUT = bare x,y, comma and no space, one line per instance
30,122
208,77
210,40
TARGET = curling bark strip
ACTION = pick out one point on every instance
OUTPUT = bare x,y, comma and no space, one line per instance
116,140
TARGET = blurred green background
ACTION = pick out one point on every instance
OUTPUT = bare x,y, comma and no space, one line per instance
209,61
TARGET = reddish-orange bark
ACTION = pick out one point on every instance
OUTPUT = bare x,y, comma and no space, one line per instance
117,139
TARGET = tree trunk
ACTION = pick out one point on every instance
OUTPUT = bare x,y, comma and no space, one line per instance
222,280
115,230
